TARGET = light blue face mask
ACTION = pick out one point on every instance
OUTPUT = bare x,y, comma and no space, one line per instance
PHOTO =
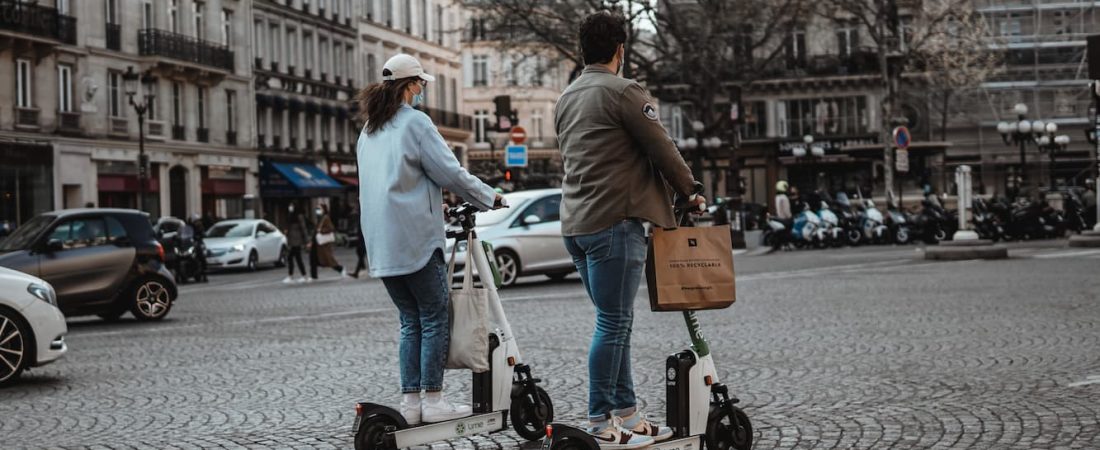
418,99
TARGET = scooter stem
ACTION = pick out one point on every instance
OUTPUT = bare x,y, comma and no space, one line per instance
698,343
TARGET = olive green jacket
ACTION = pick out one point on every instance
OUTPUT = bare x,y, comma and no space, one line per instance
619,160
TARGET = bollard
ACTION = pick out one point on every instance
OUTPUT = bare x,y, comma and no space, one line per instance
963,182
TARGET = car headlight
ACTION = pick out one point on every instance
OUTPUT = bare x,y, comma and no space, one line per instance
462,246
237,248
43,292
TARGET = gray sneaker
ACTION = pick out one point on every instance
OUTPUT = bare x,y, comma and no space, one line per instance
615,437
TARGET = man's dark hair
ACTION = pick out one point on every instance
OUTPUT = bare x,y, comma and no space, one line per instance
601,34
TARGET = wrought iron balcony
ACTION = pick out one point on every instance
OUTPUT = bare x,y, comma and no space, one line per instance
204,135
152,42
156,130
119,125
38,21
450,119
26,117
70,122
179,133
114,36
231,138
260,142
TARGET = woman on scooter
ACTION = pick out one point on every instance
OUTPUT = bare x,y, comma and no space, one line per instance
404,162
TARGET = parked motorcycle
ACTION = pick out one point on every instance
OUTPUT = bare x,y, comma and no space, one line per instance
831,232
897,225
985,220
928,224
872,223
776,234
849,220
807,230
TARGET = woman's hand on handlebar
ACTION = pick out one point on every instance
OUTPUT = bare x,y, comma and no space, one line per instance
499,202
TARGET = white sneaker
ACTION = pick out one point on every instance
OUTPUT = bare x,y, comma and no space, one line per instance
288,280
411,412
617,438
301,280
309,280
344,274
638,425
442,410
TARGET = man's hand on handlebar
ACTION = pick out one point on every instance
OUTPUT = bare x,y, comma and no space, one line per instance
499,202
697,204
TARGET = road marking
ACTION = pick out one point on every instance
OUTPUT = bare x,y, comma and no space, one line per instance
1068,254
1092,379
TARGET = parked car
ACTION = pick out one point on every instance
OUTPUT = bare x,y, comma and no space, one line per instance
526,237
32,329
101,261
244,243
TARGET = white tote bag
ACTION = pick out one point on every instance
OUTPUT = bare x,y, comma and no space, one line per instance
469,346
325,238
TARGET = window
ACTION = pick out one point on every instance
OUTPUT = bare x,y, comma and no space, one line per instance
307,50
81,233
481,70
439,24
406,16
197,11
231,110
323,50
370,9
114,94
147,17
174,16
536,124
510,71
795,49
481,125
546,210
1062,22
177,104
273,48
63,7
826,116
151,114
23,76
387,11
372,69
1010,25
847,40
202,100
258,39
112,12
337,60
442,90
349,52
227,28
454,94
292,47
115,229
424,19
754,120
64,88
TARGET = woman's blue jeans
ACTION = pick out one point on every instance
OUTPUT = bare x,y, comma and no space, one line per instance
611,263
421,297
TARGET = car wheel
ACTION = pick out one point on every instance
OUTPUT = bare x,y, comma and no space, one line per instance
15,346
508,264
253,261
151,300
281,262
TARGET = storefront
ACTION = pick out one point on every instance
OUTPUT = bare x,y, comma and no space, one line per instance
26,181
118,186
303,184
343,206
223,191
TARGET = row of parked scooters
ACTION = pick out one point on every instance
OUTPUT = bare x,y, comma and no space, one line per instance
821,222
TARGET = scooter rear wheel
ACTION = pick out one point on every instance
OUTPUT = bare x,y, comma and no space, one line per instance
372,432
528,419
569,444
728,428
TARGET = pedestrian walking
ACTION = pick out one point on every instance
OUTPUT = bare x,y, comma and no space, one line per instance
321,252
297,236
404,162
198,230
619,162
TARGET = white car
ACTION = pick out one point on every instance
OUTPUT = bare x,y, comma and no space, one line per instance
526,237
244,243
32,329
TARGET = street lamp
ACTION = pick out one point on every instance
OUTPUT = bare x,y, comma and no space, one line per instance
143,104
1021,133
1051,145
810,152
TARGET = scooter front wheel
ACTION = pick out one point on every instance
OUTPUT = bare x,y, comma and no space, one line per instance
728,428
371,434
530,419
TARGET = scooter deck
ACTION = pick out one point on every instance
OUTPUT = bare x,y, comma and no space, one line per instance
441,431
688,443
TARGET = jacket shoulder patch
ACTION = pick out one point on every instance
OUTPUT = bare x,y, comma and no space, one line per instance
649,111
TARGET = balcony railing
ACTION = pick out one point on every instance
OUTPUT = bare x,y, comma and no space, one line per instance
70,122
153,42
40,21
119,125
156,130
179,133
231,138
260,142
26,117
114,36
450,119
204,135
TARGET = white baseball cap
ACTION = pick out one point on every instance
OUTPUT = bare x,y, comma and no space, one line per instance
404,66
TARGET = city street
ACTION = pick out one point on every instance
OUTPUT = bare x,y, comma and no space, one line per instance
869,347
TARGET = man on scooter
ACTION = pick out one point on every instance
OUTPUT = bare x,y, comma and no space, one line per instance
618,162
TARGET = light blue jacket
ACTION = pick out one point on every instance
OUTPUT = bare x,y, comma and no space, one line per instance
401,170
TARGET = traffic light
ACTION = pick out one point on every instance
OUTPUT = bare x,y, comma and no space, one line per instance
503,113
508,175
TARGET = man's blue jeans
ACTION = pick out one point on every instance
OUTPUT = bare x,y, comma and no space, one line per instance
611,263
421,298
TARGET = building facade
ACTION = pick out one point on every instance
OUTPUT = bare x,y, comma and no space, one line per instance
70,133
533,79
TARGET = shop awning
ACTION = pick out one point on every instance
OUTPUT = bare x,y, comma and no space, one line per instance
279,179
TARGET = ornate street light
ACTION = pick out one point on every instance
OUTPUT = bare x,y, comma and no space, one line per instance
142,104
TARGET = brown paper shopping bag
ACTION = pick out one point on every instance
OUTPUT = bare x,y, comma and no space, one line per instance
690,268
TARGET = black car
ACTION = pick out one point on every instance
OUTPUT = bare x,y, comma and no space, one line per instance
100,261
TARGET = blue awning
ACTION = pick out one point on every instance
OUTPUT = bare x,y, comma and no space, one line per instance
296,180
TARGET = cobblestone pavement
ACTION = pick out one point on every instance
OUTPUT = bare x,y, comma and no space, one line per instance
853,348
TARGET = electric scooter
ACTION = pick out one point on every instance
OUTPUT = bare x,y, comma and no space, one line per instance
506,391
699,409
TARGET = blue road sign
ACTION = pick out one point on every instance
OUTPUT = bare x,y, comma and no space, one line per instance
902,137
515,156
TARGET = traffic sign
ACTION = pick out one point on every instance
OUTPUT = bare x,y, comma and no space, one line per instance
518,135
902,160
515,156
902,137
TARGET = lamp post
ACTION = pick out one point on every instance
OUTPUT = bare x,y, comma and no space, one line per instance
142,104
1094,139
1050,144
812,153
1021,133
